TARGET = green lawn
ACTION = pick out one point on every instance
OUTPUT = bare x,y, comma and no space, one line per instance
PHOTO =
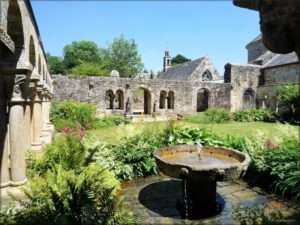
260,130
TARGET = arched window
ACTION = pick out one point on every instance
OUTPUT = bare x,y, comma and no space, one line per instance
206,76
171,100
249,99
119,100
202,100
162,99
109,99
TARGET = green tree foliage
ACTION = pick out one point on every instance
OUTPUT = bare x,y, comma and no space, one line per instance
178,59
81,52
289,93
89,69
122,55
56,64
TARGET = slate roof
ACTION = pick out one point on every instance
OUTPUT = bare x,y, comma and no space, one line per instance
282,59
181,71
265,58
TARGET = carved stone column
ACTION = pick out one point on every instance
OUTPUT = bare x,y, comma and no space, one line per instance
45,111
4,159
28,116
37,119
16,134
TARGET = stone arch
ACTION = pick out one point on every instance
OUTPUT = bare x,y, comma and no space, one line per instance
119,100
203,96
14,29
32,56
109,99
162,99
249,99
206,75
141,100
171,99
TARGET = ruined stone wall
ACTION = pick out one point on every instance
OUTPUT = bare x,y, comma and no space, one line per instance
93,89
282,75
242,77
267,93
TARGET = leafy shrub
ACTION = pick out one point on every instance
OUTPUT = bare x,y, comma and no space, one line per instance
255,115
256,216
71,114
210,116
68,187
289,95
187,135
133,157
217,115
111,121
283,165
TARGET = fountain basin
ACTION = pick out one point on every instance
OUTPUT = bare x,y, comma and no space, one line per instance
218,163
200,176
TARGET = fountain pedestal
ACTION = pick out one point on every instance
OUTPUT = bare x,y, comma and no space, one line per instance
199,199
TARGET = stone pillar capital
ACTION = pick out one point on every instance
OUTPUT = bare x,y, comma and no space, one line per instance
17,95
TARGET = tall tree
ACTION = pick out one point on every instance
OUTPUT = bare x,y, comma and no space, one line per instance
81,52
122,55
56,64
178,59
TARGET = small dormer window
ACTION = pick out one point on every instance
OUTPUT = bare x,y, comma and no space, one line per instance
206,76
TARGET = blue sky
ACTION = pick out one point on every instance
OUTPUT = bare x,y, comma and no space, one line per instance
217,29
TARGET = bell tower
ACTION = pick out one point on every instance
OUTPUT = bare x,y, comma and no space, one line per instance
167,61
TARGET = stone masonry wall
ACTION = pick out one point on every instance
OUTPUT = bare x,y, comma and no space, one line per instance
93,89
282,75
267,93
242,77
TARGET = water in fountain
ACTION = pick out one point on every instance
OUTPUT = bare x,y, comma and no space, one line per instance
199,149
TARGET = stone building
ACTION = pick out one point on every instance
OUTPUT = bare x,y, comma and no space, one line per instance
190,87
201,70
25,90
255,84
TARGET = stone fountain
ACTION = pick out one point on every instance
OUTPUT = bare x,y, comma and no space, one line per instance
200,168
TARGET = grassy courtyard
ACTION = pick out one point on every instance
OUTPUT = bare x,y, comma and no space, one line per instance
82,173
260,130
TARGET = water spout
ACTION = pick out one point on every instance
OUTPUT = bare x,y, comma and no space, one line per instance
199,148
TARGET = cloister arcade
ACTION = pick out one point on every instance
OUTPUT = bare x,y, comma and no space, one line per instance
25,90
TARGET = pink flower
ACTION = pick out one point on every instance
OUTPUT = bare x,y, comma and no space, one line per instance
81,133
269,144
67,130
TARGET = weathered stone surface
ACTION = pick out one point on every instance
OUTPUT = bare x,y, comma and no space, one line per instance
93,89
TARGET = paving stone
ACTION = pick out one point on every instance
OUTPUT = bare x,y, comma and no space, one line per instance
223,184
244,194
229,189
153,201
